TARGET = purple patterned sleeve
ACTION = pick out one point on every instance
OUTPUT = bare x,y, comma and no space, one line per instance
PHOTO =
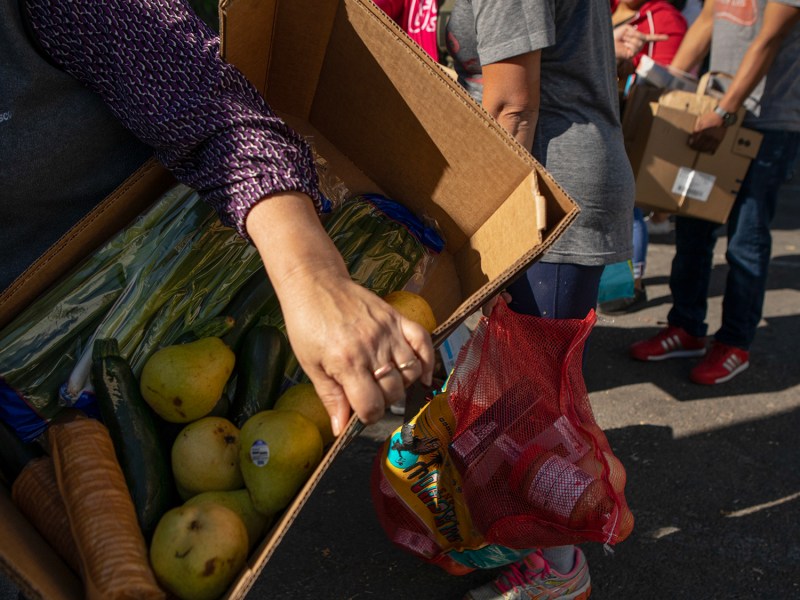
157,66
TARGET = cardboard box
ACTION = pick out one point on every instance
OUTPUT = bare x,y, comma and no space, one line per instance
386,118
671,176
390,119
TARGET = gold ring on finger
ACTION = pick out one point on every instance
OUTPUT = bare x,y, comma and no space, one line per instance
407,365
383,371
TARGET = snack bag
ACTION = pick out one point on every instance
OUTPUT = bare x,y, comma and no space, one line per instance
515,460
418,495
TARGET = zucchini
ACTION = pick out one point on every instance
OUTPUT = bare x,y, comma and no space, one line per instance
14,453
253,299
260,366
221,408
132,426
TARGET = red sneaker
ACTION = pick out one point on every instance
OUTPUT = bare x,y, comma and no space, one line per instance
722,363
670,342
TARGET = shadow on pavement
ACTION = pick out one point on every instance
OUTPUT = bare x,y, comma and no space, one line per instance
716,514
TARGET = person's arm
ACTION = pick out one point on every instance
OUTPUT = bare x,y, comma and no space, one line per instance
511,94
697,41
158,68
779,20
340,331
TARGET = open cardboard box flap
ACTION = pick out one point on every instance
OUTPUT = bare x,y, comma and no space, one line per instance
386,118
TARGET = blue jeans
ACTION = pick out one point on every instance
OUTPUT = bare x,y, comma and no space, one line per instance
640,241
556,290
748,253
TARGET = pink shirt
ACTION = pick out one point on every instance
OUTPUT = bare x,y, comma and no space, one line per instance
418,20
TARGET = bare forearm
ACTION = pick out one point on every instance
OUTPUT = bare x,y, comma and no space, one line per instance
292,242
697,42
778,21
754,66
340,332
511,95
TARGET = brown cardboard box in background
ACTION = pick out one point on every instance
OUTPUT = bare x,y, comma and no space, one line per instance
670,176
386,118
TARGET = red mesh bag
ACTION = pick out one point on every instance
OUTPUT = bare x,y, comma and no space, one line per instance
509,458
536,468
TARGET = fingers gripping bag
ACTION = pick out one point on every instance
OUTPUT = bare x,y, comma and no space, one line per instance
509,458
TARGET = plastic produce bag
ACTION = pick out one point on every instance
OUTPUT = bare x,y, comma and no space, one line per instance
382,242
179,245
513,462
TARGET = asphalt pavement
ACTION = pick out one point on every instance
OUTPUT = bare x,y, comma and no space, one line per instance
713,472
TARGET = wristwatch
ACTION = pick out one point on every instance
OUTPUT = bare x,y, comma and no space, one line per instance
728,119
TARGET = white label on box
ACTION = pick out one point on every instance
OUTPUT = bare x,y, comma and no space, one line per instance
693,184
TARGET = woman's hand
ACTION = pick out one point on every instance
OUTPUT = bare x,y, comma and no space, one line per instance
349,342
352,345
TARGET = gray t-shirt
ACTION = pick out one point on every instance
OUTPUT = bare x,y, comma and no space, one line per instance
578,136
736,24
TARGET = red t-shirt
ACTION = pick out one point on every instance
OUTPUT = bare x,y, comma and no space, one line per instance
659,16
417,18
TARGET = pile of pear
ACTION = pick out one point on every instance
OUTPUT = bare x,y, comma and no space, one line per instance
233,482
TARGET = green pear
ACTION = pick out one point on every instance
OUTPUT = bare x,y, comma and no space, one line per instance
239,501
197,551
279,451
184,382
303,398
205,457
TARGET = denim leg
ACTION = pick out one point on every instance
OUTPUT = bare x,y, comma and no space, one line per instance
691,273
556,290
750,240
640,242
